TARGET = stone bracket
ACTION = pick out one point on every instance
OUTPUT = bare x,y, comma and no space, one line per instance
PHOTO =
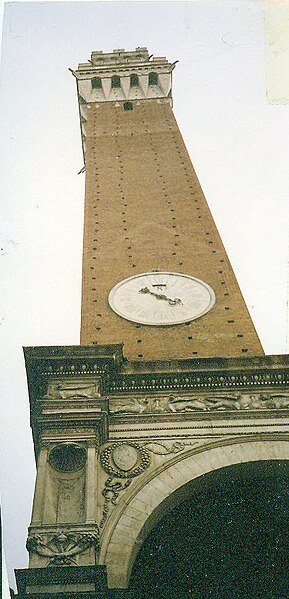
62,544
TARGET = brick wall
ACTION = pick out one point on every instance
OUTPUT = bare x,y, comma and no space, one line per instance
145,210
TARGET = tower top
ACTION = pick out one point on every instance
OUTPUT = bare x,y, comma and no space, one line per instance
123,60
121,76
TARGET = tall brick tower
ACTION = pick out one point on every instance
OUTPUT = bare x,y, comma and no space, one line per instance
145,212
169,393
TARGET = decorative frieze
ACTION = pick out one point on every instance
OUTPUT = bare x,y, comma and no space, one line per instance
155,404
83,388
79,365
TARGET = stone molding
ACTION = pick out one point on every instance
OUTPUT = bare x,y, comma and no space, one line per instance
115,376
202,379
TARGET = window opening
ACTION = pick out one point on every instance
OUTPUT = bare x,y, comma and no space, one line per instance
153,79
115,81
133,80
96,83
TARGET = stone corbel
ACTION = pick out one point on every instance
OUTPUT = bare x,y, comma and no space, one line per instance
63,545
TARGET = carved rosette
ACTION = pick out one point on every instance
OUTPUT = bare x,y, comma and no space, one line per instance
61,548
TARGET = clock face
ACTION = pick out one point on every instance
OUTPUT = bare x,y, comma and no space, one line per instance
161,298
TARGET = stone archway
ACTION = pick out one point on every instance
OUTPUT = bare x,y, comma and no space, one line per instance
228,538
144,509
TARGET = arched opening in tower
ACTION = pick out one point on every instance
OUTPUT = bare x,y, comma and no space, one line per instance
228,539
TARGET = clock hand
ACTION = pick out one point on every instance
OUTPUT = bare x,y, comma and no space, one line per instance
161,296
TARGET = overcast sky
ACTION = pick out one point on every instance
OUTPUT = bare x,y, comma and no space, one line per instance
238,142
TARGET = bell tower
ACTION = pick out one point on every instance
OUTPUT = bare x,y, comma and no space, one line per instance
145,212
169,383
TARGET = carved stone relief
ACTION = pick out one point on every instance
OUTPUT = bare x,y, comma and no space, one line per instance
123,461
140,405
62,547
73,390
218,402
161,448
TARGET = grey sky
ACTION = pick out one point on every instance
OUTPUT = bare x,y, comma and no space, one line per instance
239,145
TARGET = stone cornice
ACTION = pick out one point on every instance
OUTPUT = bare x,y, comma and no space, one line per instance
71,385
119,376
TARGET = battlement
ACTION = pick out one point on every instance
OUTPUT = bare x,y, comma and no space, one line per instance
121,58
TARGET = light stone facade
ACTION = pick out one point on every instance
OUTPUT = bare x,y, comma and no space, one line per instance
113,461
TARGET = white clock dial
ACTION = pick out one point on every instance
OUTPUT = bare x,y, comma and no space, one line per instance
161,298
